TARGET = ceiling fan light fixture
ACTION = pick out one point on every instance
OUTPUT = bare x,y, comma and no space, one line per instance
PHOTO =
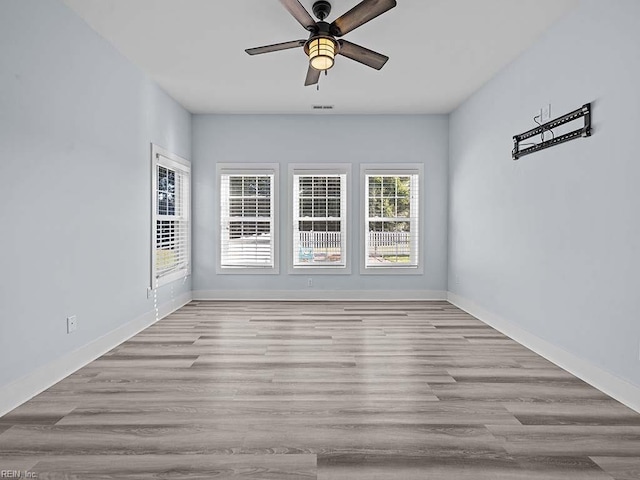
322,52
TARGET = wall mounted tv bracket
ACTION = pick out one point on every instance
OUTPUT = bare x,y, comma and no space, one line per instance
585,131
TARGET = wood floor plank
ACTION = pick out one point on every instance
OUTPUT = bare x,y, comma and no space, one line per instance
605,412
620,468
126,440
322,390
191,466
32,413
472,466
587,440
19,463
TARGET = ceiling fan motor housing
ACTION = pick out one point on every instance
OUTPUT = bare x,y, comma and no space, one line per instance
321,9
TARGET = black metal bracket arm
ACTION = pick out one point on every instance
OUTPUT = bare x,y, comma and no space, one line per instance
585,131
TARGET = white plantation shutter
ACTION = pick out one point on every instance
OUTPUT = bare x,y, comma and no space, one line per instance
319,219
247,219
171,248
392,234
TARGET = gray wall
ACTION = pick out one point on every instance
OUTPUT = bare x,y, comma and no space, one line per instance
76,122
552,242
291,139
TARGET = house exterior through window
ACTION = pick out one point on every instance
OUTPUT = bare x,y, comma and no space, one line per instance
391,209
171,222
319,233
247,218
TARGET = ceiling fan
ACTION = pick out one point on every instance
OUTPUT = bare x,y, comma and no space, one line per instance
322,45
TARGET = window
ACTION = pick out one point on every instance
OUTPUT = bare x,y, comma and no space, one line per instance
391,229
319,218
171,223
247,217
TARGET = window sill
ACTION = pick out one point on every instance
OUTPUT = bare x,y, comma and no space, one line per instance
246,271
171,277
382,271
320,270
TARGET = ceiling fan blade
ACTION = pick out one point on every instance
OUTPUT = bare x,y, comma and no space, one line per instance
275,48
296,9
313,76
363,55
360,14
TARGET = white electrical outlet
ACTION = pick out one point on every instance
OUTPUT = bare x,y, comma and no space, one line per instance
545,113
309,282
72,324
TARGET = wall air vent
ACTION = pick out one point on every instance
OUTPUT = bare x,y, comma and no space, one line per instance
322,107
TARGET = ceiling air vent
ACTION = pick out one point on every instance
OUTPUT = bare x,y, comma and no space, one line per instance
322,107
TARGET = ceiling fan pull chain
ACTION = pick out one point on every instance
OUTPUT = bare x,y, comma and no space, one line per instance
326,74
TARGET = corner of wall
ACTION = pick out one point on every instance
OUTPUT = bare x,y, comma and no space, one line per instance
27,387
605,381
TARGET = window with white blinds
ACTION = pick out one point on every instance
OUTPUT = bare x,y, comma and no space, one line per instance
247,218
171,248
391,209
319,219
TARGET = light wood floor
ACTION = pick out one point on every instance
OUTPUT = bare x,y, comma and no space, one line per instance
307,390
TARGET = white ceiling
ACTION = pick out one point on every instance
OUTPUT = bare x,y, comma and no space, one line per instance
441,51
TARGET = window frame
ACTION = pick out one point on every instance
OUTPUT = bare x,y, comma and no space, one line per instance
324,169
249,169
165,158
396,170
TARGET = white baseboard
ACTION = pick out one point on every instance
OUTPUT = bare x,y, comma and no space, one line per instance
25,388
325,295
614,386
